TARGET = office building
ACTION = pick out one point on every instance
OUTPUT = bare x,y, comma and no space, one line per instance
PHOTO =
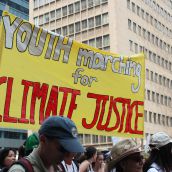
11,137
125,27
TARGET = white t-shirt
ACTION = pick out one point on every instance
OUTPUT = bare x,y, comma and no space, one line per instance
156,168
70,168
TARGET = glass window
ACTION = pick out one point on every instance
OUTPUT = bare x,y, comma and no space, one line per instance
64,29
41,20
77,7
136,47
138,10
58,31
84,24
157,98
150,117
105,18
94,139
46,18
90,3
35,3
77,27
159,118
106,41
102,139
83,4
71,28
154,117
92,42
41,2
148,94
64,11
70,8
99,42
87,138
129,24
104,1
97,2
98,20
145,115
91,22
52,15
81,138
58,13
131,45
128,4
133,7
36,21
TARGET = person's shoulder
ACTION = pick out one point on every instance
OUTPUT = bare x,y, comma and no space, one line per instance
16,168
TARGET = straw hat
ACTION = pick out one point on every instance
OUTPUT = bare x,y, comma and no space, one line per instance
123,149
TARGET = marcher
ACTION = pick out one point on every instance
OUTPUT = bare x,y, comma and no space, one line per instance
7,158
160,159
68,164
57,135
126,157
31,142
90,157
99,165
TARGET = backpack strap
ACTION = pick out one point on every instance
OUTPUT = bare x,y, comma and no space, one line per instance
25,163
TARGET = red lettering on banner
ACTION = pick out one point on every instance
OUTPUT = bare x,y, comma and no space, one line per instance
7,117
65,95
73,105
26,84
2,81
125,117
52,102
99,99
39,92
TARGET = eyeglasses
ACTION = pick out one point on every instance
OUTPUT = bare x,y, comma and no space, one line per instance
137,158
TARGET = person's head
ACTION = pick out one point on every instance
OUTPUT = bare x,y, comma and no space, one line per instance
58,135
161,151
7,157
91,153
31,142
68,157
126,157
99,159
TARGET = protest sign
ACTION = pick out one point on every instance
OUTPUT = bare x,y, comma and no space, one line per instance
44,74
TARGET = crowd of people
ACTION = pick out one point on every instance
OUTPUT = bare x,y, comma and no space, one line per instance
56,148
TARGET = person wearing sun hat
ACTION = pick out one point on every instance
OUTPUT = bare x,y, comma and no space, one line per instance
57,136
160,159
126,157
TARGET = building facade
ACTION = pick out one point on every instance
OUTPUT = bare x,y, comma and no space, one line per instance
121,26
19,8
11,137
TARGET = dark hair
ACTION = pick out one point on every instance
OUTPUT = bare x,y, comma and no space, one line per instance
3,154
90,152
161,156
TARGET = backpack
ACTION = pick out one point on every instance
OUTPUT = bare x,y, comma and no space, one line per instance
25,163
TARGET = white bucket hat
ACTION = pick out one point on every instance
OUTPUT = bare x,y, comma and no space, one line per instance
160,139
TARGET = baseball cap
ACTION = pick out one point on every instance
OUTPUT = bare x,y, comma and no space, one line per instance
160,139
64,130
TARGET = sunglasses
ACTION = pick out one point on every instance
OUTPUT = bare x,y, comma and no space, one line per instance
137,158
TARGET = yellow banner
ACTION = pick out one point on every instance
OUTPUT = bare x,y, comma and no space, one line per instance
44,74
